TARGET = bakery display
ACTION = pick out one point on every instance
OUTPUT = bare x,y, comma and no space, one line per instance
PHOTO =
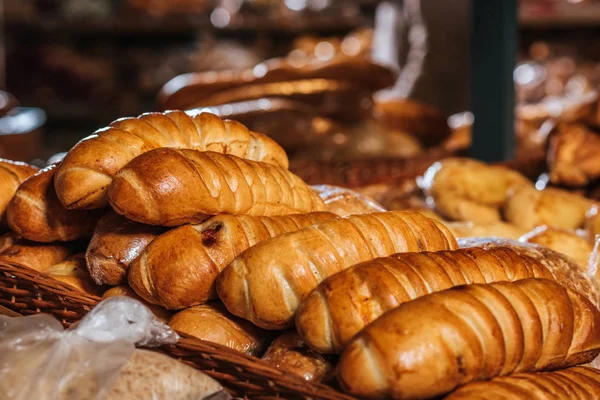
266,283
470,333
194,255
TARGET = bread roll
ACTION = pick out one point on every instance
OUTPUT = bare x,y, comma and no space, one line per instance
289,353
492,229
563,241
266,283
527,208
563,268
36,256
343,304
171,187
212,322
468,190
194,255
73,272
116,242
88,169
12,174
429,346
124,290
344,202
36,213
567,384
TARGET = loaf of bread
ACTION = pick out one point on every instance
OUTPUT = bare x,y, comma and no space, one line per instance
73,272
563,241
212,322
563,268
194,255
171,187
12,174
35,212
116,242
266,283
289,353
527,208
566,384
87,170
427,347
342,201
37,256
124,290
468,190
463,229
343,304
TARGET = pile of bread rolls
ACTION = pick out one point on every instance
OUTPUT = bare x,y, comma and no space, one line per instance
200,219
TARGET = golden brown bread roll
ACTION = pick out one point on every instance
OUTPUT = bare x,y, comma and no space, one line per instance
429,346
289,353
171,187
573,155
527,208
564,241
37,256
87,170
266,283
468,190
566,384
343,304
36,213
73,271
12,174
342,201
124,290
194,255
463,229
116,242
564,268
212,322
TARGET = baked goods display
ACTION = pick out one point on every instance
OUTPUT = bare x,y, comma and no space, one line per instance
201,220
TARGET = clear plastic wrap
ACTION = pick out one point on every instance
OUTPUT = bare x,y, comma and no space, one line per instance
95,359
344,201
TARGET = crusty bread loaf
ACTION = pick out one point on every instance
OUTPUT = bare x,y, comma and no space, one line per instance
212,322
463,229
73,272
116,242
289,353
194,255
88,168
171,187
566,384
563,241
36,213
12,174
343,304
266,283
37,256
124,290
527,207
427,347
468,190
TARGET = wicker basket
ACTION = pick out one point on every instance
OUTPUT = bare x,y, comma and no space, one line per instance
24,291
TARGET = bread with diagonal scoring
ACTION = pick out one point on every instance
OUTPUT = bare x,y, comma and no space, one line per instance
36,213
566,384
194,255
429,346
266,283
343,304
88,168
171,187
12,174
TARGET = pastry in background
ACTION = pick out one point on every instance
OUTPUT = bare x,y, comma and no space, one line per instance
462,229
212,322
73,272
463,189
563,241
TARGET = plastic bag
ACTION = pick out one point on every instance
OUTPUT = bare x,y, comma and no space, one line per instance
41,360
344,201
